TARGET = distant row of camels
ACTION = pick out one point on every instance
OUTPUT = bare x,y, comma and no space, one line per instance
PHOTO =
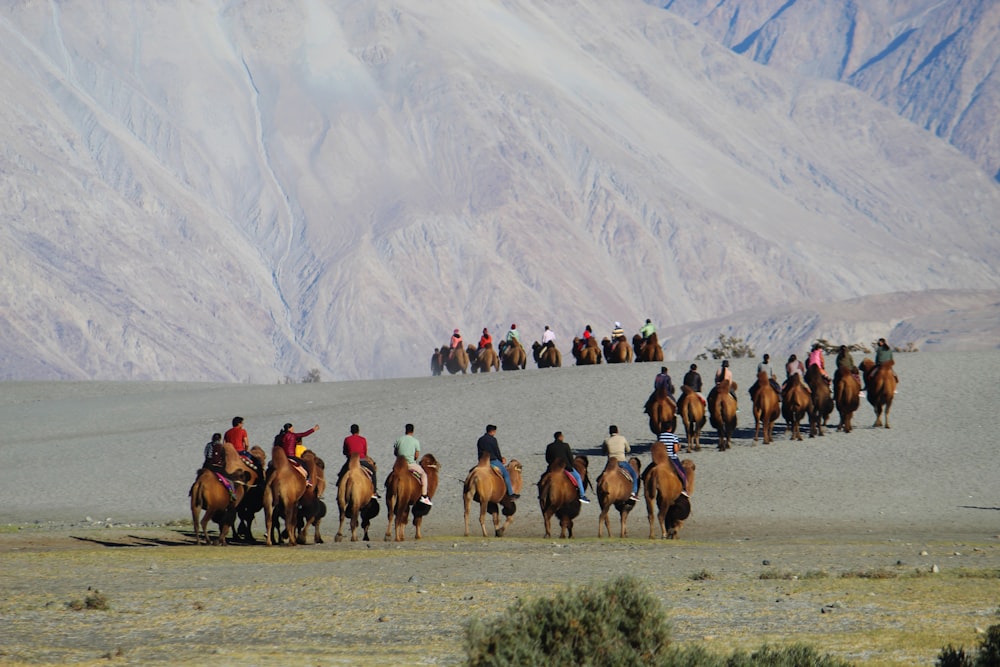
512,356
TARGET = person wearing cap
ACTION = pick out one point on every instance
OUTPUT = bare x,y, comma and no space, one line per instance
816,358
488,443
512,335
617,333
456,340
647,329
616,446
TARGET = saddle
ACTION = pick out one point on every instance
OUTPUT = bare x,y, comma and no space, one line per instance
627,472
496,471
572,478
228,483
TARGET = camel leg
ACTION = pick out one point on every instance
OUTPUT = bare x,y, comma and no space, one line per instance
506,525
339,537
417,523
649,515
194,521
468,506
887,414
603,521
547,518
624,516
292,524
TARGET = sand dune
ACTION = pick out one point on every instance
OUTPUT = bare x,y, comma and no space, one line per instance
128,451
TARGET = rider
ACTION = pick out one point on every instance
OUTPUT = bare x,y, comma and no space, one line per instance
512,335
663,379
725,373
647,329
816,358
288,440
845,364
548,337
559,450
456,340
237,436
355,443
616,446
488,443
588,333
765,365
668,438
883,353
795,367
693,379
485,339
408,447
215,455
617,333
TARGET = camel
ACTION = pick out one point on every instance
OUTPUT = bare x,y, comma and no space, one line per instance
722,412
312,509
821,400
513,356
648,349
662,492
483,360
559,497
766,408
437,362
208,493
253,501
485,486
285,487
847,398
355,499
402,492
455,360
586,354
546,356
614,489
661,408
880,385
795,402
692,414
617,352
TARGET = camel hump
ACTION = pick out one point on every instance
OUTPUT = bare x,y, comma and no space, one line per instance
659,452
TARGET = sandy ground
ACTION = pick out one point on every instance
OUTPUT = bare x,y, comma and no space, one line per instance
95,481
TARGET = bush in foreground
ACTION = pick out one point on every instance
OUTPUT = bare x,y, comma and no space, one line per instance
988,654
615,624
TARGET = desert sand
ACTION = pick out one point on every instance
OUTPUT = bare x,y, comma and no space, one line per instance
90,466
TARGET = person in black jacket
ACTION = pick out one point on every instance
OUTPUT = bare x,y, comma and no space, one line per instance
558,450
488,443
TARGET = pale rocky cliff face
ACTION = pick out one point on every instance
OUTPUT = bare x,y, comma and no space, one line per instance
934,62
250,192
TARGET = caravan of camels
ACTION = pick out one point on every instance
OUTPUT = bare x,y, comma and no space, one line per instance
237,481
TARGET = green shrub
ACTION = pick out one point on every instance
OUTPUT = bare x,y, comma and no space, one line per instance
617,623
797,655
988,654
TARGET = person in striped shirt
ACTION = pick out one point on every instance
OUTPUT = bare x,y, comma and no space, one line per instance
669,439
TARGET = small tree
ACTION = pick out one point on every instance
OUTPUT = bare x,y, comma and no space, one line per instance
730,347
311,376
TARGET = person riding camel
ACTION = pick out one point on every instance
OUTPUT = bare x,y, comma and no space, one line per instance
408,447
288,440
559,450
647,329
548,337
237,436
456,340
587,334
355,443
617,447
670,441
488,444
693,379
883,353
485,339
617,334
765,366
816,358
795,367
725,373
845,364
215,455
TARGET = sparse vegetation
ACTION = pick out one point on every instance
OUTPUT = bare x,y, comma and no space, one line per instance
833,348
701,575
93,600
729,347
312,376
988,654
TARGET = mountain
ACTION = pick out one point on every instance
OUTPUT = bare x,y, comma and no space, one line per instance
248,192
934,62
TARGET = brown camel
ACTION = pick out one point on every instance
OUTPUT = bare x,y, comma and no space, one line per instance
661,408
821,400
692,414
647,349
455,360
356,499
766,408
485,486
722,412
285,487
614,489
880,386
483,360
617,352
546,356
311,508
559,497
586,354
795,402
253,501
663,489
847,398
513,356
210,495
402,493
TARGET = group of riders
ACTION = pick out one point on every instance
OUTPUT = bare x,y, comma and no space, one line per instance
513,336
